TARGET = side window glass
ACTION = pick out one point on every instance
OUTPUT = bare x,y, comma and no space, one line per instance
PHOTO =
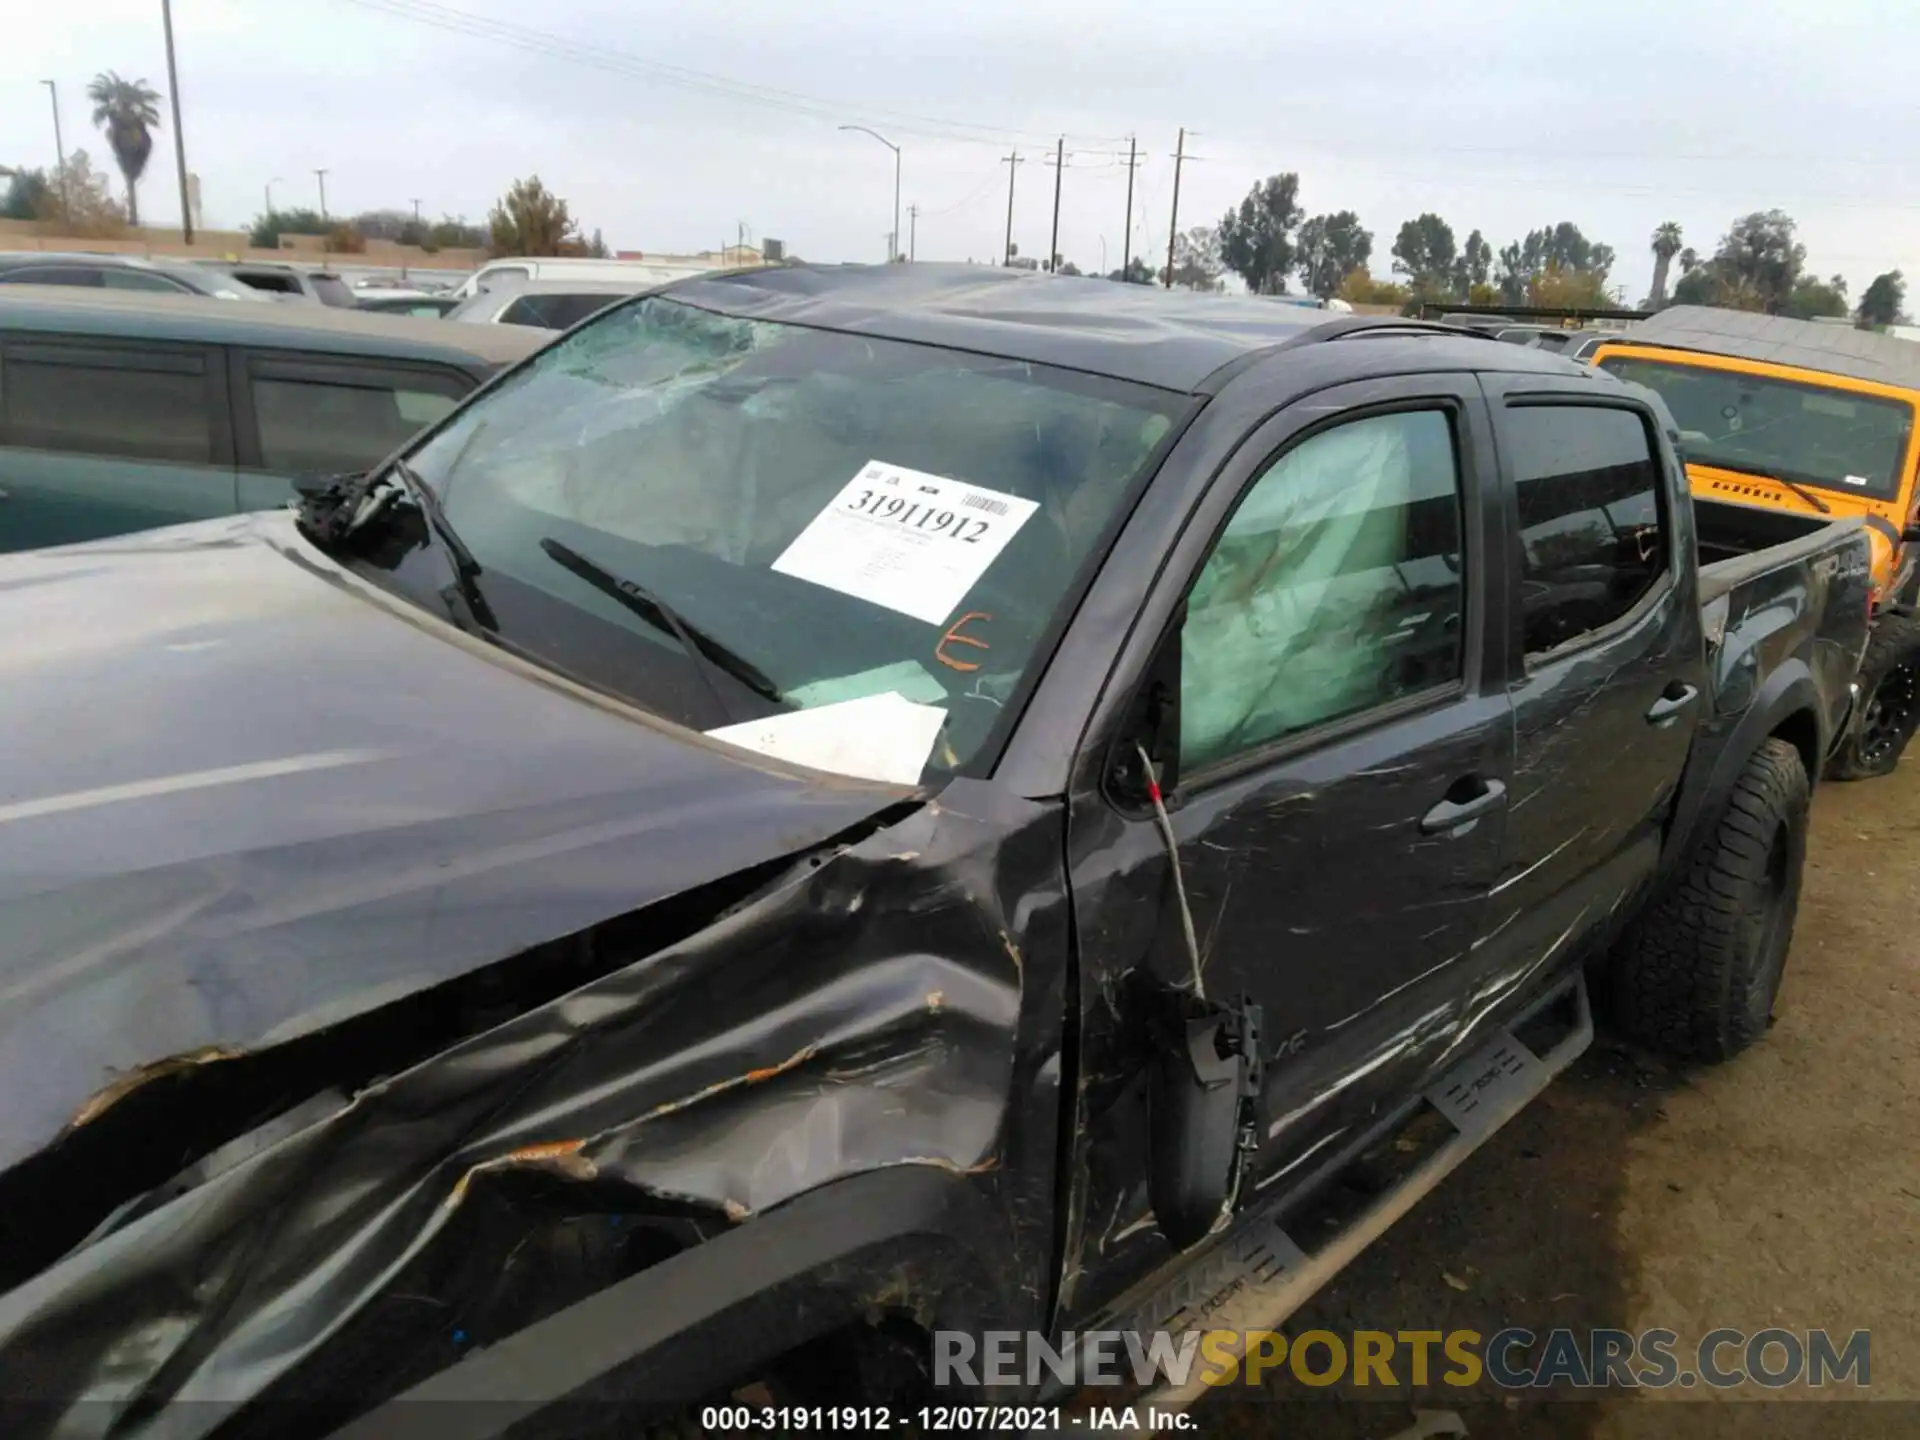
1337,586
97,409
53,275
1591,532
141,280
311,426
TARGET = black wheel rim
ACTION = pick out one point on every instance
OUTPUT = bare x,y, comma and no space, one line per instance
1889,716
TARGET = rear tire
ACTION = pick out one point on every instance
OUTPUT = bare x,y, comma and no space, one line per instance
1889,702
1698,971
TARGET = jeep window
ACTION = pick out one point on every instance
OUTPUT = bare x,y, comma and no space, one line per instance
1591,538
554,311
311,426
684,452
1830,436
106,401
1336,587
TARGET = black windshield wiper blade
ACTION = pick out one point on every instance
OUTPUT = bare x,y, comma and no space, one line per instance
642,602
466,569
1781,480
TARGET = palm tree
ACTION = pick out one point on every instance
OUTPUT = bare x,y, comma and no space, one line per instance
129,112
1666,245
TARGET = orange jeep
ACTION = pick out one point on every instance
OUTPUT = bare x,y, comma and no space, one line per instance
1786,425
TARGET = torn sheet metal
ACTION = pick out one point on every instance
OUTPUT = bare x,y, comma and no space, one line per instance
867,1007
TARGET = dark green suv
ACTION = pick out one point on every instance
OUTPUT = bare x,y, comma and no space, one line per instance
122,412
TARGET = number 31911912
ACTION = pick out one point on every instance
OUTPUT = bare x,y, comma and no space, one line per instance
917,515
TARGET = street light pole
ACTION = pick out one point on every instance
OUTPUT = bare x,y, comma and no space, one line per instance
179,136
893,240
60,150
321,175
276,180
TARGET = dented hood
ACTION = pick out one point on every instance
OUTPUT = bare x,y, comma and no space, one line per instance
243,797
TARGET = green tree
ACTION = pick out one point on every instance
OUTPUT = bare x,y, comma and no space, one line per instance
1256,240
452,233
1196,258
1563,253
1882,301
1813,298
1666,245
29,195
1360,288
1758,262
1138,272
266,230
531,220
129,112
1425,252
1332,247
1474,265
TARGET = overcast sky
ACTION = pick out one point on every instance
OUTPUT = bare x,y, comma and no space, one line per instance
1503,115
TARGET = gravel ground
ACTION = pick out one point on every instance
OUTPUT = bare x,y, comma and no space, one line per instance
1780,1189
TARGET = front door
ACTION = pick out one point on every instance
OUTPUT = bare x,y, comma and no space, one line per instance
1339,805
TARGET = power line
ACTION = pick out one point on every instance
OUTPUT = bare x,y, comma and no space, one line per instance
461,22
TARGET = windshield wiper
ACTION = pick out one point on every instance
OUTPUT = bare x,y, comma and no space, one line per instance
466,569
642,602
1781,480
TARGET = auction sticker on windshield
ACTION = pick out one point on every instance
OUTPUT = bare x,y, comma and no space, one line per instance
904,539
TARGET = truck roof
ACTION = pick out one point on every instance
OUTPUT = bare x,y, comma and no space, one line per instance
1778,340
74,310
1173,339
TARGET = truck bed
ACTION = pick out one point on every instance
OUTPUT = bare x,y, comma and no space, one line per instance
1739,543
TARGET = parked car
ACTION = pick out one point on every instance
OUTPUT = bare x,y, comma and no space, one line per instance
425,303
288,282
523,270
1584,344
544,304
119,272
1790,425
695,875
119,412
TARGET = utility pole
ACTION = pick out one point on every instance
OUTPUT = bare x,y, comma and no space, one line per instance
1013,163
913,231
1173,225
60,150
416,212
179,135
321,176
276,180
1059,169
1126,236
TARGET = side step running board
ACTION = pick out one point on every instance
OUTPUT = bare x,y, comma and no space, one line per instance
1261,1275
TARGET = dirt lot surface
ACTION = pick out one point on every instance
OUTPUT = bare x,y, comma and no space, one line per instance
1781,1189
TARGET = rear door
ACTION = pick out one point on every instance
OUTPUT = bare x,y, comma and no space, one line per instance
101,437
301,415
1345,752
1606,628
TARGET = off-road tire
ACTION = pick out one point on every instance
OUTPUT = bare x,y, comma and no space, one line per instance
1889,707
1697,973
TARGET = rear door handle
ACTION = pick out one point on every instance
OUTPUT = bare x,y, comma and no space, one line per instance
1452,814
1675,698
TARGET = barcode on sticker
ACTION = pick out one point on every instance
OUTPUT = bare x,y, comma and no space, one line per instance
984,502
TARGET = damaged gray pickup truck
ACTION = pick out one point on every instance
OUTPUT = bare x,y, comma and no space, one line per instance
831,806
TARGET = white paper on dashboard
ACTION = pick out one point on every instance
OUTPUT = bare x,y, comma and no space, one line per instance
905,539
907,678
877,737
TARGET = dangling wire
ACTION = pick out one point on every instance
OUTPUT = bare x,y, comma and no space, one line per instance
1173,858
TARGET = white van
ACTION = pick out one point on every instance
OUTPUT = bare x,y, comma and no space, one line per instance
497,274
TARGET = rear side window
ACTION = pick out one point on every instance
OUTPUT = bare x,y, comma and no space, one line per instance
554,312
141,280
134,405
1592,532
52,275
331,290
272,284
311,425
